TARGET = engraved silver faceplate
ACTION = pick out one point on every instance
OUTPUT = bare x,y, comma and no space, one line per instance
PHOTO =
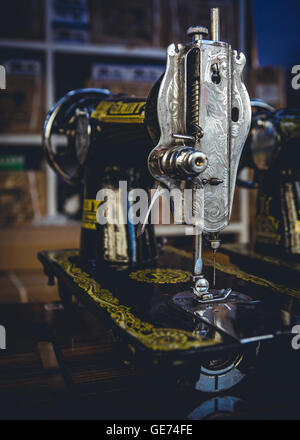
224,114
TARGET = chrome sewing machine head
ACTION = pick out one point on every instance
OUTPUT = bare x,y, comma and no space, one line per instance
204,116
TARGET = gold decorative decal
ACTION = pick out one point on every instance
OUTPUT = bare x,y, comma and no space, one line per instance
266,225
232,270
89,212
120,112
157,339
290,127
161,276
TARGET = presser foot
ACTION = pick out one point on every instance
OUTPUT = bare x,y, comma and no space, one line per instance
205,295
212,296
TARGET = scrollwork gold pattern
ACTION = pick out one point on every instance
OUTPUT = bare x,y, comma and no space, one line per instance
161,276
154,338
232,270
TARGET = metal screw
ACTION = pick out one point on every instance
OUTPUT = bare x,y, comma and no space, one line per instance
215,24
201,287
197,32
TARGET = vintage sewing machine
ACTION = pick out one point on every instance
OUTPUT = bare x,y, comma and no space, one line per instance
158,301
272,151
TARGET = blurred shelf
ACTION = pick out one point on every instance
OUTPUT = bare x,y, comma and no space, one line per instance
23,139
21,44
88,49
115,50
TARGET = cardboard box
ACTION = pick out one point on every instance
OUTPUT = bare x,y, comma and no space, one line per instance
22,197
133,22
132,89
132,79
22,104
70,21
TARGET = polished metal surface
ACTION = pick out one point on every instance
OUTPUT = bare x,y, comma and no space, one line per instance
215,24
197,32
223,138
217,408
243,318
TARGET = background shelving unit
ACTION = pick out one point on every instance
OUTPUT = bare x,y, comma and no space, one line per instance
51,49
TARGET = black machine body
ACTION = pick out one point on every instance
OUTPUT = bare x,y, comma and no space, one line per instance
97,140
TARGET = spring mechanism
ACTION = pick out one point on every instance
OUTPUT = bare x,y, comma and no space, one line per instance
193,94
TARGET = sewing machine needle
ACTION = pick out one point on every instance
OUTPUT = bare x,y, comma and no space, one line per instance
214,268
